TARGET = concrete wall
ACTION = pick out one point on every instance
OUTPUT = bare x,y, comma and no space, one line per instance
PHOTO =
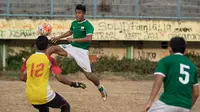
106,29
1,56
154,52
98,49
105,7
149,50
121,38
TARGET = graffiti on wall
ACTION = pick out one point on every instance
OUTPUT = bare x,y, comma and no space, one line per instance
157,54
107,29
146,30
26,29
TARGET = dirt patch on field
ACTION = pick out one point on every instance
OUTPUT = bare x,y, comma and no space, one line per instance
124,96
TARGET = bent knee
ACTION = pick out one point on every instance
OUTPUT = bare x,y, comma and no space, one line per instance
51,50
65,108
56,50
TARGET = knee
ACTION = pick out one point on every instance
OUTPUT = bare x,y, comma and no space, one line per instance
50,50
65,108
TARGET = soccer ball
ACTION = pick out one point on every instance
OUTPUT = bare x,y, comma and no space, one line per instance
44,29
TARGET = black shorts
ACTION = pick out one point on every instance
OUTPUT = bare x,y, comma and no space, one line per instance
57,102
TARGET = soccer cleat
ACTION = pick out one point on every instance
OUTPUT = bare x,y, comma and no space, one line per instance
103,93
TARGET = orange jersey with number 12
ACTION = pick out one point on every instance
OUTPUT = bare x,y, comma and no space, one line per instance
38,67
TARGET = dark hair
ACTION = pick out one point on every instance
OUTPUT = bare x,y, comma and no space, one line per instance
81,7
42,43
178,44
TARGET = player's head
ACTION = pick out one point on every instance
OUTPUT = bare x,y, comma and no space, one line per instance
80,12
42,43
177,45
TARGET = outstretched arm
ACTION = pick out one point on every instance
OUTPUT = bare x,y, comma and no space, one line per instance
65,81
55,39
68,33
88,38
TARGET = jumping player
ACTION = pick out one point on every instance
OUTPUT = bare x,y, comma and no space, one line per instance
35,72
82,31
180,78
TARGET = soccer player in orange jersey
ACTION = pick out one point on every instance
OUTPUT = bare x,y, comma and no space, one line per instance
35,72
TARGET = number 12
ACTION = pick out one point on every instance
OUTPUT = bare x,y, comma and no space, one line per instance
37,70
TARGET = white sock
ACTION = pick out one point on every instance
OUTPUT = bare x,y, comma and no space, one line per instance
99,86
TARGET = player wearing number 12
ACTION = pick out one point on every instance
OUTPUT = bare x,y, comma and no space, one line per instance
180,78
35,72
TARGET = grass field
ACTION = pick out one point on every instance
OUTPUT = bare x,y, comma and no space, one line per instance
124,96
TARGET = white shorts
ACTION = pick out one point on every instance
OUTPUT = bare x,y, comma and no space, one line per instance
159,106
80,56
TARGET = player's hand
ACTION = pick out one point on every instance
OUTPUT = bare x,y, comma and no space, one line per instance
54,39
148,106
70,40
78,85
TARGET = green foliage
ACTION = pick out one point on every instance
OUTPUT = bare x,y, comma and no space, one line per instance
15,62
103,64
111,64
1,67
67,65
195,59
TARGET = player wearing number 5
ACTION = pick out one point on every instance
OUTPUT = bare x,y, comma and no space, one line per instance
180,78
35,72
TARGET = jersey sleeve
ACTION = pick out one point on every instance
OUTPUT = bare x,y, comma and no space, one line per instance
196,80
23,69
89,29
55,69
161,68
71,28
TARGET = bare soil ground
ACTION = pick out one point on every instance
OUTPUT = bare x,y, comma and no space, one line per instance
124,96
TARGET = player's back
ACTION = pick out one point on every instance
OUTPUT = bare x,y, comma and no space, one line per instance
38,90
180,76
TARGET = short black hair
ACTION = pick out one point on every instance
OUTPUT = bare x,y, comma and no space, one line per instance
42,43
178,44
81,7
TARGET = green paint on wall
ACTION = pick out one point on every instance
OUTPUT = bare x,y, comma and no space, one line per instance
6,52
1,55
128,52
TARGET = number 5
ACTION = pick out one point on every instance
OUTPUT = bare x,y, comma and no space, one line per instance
183,72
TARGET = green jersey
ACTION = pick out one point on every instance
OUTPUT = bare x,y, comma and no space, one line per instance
81,30
180,77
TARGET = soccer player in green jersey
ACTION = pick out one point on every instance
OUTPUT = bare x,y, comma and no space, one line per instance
82,31
180,78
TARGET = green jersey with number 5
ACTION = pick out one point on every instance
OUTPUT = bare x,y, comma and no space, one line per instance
180,77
